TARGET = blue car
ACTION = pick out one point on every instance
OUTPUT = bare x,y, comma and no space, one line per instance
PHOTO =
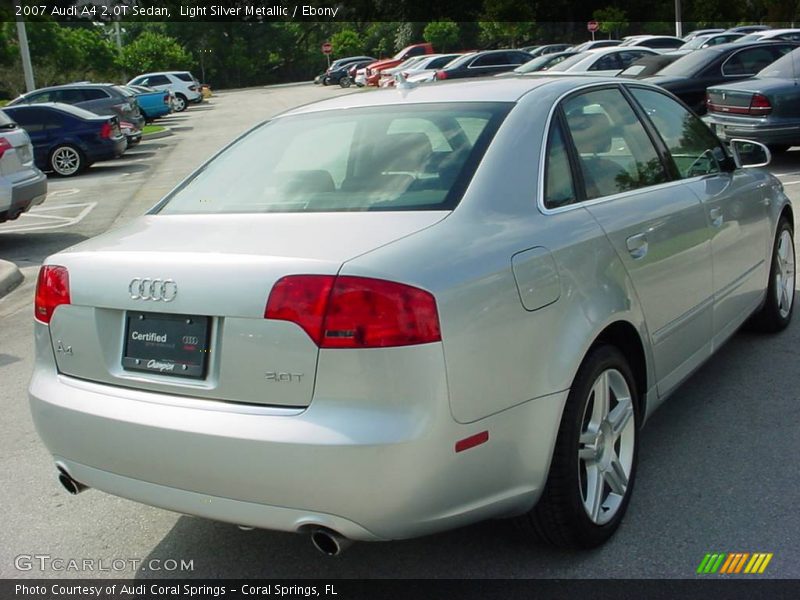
67,139
152,103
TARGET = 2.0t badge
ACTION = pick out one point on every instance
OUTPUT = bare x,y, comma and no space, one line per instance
158,290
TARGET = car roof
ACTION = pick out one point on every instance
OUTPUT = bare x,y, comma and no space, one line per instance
490,89
75,111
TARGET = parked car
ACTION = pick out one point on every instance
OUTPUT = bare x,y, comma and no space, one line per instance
541,63
657,42
689,76
387,75
67,139
601,61
22,184
693,34
340,67
649,65
373,71
352,69
706,41
99,98
182,83
335,312
792,35
765,108
152,103
749,28
548,49
478,64
427,65
592,44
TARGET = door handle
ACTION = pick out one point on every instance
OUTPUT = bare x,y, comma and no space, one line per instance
637,246
716,216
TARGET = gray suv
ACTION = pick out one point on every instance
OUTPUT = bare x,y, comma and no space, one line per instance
99,98
22,185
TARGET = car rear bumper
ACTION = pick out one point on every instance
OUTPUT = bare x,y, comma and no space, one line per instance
107,150
785,133
386,469
20,196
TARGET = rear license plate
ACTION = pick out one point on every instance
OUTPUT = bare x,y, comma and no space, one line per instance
166,344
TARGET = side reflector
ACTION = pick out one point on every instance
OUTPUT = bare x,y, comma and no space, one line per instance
472,441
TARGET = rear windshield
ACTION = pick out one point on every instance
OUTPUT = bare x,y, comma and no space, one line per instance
5,121
688,65
414,157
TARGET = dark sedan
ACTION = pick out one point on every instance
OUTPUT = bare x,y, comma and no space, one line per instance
765,108
67,139
689,76
477,64
544,62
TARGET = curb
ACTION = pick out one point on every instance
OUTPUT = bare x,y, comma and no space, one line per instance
157,135
10,277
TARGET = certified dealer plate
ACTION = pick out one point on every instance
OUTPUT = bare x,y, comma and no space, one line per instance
167,344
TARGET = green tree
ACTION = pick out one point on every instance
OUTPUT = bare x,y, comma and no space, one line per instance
155,52
613,20
444,35
347,42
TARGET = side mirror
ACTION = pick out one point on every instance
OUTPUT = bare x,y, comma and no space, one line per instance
748,153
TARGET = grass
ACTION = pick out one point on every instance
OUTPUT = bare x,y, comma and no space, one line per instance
4,102
152,129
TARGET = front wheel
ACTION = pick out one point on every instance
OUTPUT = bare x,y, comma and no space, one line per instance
66,160
594,461
776,312
345,81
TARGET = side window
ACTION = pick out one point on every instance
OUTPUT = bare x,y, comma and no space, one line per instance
94,94
419,51
516,59
609,62
747,62
693,147
489,60
559,189
29,120
71,96
158,80
626,58
43,97
616,154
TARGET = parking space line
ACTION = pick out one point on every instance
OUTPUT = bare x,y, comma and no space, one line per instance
56,221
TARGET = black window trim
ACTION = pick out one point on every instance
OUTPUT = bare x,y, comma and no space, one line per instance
576,175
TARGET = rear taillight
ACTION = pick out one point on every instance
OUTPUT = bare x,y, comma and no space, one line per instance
166,98
759,105
355,312
52,290
441,75
193,88
106,130
4,146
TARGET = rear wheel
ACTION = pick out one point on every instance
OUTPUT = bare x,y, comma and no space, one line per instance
345,81
776,312
66,160
594,461
179,104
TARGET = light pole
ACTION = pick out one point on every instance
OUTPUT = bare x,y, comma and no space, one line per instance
24,51
678,23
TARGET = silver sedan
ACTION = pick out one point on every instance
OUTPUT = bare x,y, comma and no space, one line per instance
390,314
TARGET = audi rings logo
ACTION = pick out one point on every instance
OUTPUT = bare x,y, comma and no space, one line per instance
158,290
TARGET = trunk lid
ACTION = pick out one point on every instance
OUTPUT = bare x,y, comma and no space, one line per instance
220,270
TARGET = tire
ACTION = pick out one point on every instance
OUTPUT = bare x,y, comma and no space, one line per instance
326,81
591,480
66,160
776,312
345,81
180,103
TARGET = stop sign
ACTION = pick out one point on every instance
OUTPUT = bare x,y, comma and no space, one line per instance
593,26
327,48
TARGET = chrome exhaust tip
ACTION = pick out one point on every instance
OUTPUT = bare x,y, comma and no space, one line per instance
68,483
329,542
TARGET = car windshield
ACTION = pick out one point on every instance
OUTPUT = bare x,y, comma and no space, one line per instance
786,67
124,90
401,158
752,37
687,66
565,64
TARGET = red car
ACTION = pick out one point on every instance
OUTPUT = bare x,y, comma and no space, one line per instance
374,69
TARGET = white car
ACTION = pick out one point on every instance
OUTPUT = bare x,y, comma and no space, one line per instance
601,61
426,64
183,84
792,35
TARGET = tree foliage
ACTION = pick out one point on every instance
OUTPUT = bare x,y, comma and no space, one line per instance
153,51
612,20
444,35
346,42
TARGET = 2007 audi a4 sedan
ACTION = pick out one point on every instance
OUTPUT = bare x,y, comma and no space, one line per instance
390,314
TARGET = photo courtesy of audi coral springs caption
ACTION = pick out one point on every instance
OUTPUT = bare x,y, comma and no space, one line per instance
464,305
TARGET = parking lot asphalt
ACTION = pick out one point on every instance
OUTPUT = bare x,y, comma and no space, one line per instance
717,467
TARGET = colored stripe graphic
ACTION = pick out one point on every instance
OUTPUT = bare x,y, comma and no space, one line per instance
729,563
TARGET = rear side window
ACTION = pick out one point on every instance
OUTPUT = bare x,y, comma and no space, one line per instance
158,80
748,62
416,157
94,94
615,152
5,122
490,60
559,189
184,77
609,62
